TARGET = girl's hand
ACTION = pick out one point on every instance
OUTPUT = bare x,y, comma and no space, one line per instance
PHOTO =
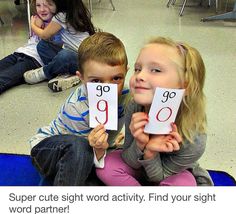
138,121
98,138
165,143
35,20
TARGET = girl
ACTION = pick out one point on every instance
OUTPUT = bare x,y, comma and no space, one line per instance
13,66
162,159
73,19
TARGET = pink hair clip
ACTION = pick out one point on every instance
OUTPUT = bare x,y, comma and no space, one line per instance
181,48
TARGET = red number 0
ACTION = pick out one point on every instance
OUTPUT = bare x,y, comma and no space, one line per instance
163,120
102,110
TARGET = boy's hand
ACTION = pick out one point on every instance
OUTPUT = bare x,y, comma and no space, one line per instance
138,121
119,139
98,138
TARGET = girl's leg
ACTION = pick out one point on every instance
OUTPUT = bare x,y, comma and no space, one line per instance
12,70
47,50
116,172
65,159
66,61
184,178
8,61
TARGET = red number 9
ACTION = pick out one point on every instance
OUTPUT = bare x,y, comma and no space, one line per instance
102,110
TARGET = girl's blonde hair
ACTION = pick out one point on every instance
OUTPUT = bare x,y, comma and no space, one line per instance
191,117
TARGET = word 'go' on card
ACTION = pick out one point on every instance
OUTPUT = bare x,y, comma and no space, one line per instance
103,105
163,110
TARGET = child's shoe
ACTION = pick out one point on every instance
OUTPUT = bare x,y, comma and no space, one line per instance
34,76
63,82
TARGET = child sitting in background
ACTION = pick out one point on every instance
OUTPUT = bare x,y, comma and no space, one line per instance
65,151
74,21
13,66
165,160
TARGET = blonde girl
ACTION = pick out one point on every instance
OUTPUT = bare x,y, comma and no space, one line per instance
169,160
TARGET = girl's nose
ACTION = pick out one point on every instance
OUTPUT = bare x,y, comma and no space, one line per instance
141,75
44,7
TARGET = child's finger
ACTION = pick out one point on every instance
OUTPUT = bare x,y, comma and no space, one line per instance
175,144
139,116
176,136
119,138
174,127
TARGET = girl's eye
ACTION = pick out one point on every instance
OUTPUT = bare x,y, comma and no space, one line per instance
137,69
155,70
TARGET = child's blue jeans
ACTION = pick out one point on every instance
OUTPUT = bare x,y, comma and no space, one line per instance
57,60
65,160
12,68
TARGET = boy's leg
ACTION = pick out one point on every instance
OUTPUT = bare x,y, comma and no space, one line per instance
47,50
116,172
65,159
184,178
12,70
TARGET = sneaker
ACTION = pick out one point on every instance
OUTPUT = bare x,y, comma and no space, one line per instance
63,82
34,76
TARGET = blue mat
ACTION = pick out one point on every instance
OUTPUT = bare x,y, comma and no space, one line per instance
17,170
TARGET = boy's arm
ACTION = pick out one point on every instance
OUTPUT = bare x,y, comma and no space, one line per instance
46,33
99,158
98,140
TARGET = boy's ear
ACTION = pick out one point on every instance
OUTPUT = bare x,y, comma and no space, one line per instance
79,75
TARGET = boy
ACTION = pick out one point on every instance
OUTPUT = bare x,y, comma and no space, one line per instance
66,150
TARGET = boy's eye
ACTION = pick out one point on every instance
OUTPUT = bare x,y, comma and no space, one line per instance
95,80
117,78
154,70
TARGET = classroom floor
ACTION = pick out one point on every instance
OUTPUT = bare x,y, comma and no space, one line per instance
25,108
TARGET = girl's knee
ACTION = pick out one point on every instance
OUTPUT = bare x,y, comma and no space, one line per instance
184,178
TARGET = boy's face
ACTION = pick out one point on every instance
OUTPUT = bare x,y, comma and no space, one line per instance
102,73
44,9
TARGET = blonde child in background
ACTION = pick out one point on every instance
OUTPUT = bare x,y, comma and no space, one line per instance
73,20
165,160
13,66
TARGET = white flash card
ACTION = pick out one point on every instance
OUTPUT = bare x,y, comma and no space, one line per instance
163,110
103,105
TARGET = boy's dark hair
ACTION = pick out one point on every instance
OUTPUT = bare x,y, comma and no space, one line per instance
102,47
77,15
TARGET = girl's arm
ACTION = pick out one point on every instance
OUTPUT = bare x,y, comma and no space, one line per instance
171,163
131,152
46,33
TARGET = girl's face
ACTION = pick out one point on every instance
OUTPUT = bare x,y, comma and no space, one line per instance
156,66
45,10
